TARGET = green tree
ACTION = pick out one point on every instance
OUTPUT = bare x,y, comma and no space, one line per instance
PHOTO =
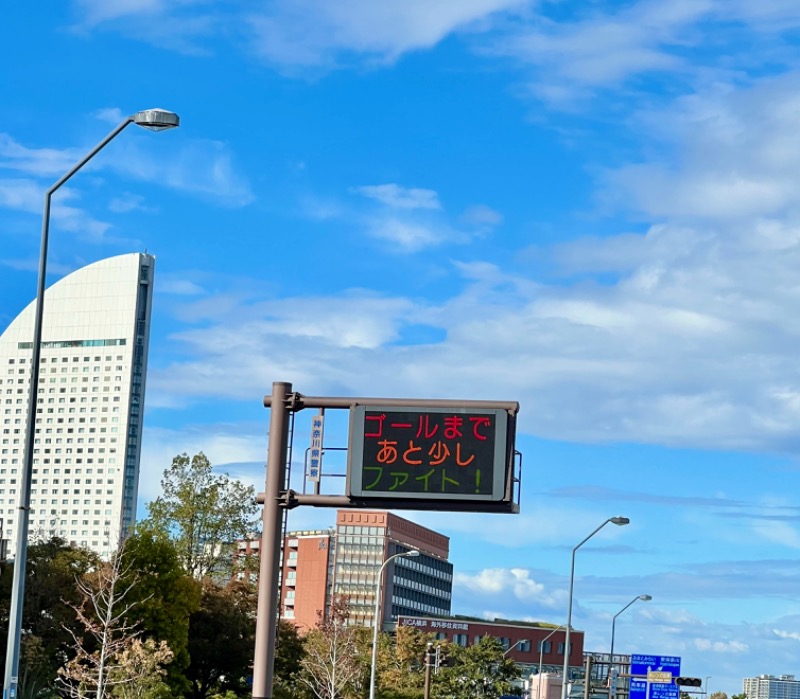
165,597
204,513
481,670
289,654
51,571
139,671
221,639
743,695
719,695
401,663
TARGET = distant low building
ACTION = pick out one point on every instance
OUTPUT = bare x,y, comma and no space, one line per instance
771,687
535,647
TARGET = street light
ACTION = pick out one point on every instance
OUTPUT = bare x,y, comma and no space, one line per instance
541,655
376,622
706,684
155,120
644,598
521,640
619,521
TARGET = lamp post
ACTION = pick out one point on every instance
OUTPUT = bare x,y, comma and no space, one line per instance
644,598
706,684
377,622
541,656
521,640
155,120
619,521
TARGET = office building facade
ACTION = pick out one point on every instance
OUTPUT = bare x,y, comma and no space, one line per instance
345,561
771,687
90,404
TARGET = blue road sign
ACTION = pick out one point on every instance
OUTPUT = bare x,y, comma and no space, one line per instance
642,664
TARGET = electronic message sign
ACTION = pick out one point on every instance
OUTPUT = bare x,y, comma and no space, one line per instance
430,453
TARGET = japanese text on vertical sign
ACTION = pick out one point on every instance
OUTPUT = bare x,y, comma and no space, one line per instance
315,451
428,452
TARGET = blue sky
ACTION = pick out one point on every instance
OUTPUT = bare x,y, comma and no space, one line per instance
590,208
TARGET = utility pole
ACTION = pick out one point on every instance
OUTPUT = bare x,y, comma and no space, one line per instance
428,663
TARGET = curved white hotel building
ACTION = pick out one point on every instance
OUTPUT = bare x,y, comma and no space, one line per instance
90,404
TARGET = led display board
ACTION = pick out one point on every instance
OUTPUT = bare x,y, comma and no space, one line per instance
430,453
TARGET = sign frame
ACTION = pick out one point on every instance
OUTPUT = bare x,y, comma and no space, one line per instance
502,465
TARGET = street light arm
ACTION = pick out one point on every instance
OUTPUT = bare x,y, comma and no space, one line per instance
86,158
624,608
521,640
376,621
22,523
541,656
610,520
643,598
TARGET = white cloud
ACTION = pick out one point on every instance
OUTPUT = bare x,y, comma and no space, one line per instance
793,635
222,444
721,646
410,219
179,287
311,33
49,162
127,202
734,156
502,581
200,167
21,194
482,217
410,235
96,12
396,197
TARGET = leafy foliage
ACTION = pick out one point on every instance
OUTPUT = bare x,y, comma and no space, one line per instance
203,513
289,654
221,639
165,597
401,663
51,571
480,670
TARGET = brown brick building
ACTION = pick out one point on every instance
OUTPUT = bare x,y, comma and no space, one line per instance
527,644
346,560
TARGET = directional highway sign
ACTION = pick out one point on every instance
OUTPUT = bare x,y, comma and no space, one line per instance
658,667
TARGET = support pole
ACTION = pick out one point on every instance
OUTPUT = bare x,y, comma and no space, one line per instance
587,683
269,570
428,658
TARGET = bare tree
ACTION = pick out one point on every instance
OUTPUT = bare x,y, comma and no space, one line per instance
334,664
107,654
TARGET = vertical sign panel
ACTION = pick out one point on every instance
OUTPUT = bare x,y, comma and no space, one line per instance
315,451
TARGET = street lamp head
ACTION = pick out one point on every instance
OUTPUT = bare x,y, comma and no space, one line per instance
413,552
645,598
156,119
619,521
